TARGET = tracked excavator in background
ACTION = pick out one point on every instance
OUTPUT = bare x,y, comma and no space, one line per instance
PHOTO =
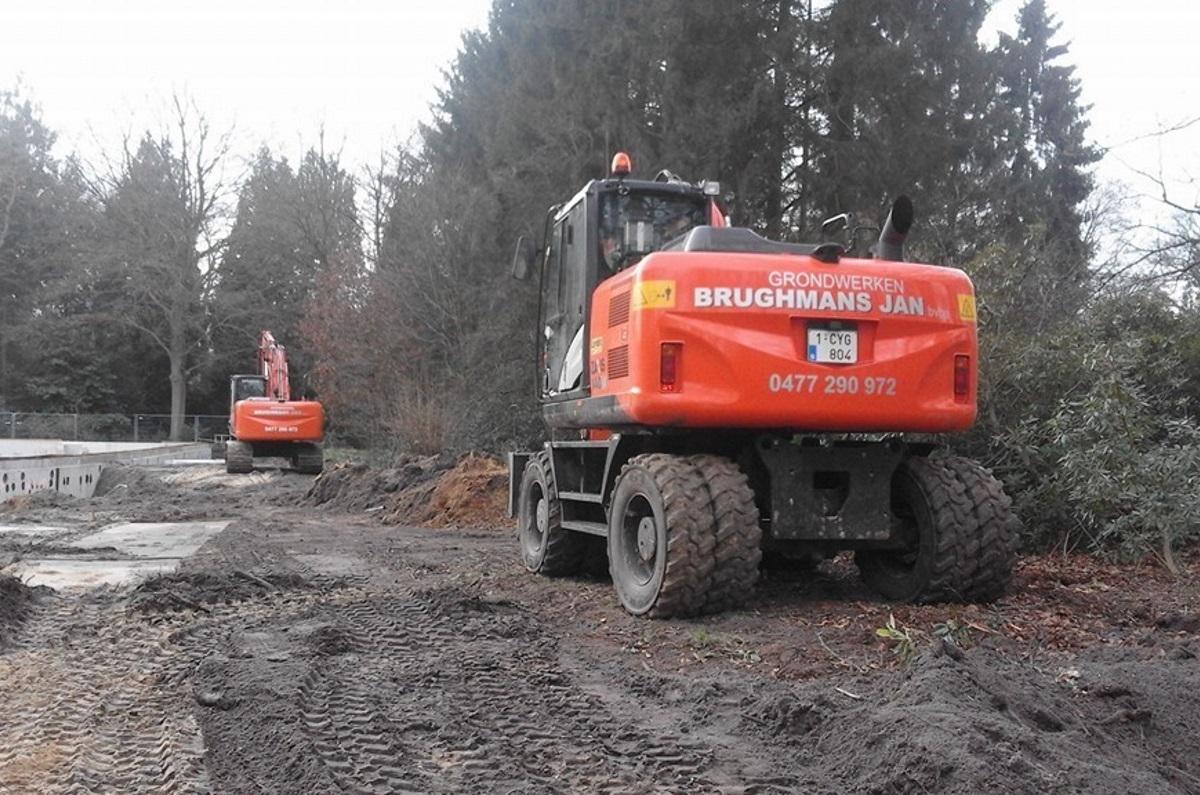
264,421
713,396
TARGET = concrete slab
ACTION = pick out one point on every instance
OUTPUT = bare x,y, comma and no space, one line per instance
156,548
71,574
171,540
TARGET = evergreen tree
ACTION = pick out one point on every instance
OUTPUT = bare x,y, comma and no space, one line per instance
909,107
1048,152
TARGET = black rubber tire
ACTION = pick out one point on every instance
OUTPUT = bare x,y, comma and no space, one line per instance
738,550
986,568
239,457
932,504
309,459
546,548
661,537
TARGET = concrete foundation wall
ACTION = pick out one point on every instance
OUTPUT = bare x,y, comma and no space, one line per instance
27,448
76,473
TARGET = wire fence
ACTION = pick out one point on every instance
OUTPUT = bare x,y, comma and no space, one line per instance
110,427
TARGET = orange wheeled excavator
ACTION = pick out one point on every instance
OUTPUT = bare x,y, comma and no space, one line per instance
712,395
264,421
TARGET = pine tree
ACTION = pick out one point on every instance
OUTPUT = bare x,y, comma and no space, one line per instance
1048,151
908,107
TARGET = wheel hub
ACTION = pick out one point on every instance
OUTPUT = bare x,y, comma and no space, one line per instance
543,516
647,539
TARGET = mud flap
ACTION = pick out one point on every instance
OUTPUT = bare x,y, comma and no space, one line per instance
830,493
516,470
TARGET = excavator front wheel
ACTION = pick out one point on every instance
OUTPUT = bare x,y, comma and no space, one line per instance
546,547
661,537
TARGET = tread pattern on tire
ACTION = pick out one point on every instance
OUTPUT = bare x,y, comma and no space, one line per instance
954,542
974,531
691,534
564,549
986,570
738,549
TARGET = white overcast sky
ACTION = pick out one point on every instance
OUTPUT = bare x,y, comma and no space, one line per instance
367,70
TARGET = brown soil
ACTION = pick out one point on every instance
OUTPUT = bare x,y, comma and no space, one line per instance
323,650
426,492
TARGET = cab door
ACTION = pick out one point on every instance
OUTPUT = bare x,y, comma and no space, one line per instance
563,311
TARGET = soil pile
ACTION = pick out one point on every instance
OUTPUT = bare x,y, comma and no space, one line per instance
117,482
37,501
428,491
1114,722
359,487
15,597
470,495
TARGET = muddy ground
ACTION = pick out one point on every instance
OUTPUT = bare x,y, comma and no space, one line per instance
320,648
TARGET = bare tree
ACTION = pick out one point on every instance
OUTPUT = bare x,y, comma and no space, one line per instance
165,206
1165,244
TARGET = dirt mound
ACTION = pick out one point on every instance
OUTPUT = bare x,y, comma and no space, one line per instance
470,495
356,486
36,501
194,590
15,598
117,481
429,491
1111,723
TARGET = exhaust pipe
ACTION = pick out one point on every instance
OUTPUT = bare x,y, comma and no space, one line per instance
895,230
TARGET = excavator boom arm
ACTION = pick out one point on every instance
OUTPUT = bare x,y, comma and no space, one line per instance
272,362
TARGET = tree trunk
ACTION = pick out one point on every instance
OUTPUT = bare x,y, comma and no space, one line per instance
178,359
777,146
5,397
178,398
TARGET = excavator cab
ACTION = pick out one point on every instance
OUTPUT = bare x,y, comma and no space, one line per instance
244,387
604,229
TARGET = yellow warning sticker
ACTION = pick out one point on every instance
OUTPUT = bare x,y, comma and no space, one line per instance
658,294
597,345
966,307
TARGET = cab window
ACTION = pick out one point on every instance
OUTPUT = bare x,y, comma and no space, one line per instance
635,224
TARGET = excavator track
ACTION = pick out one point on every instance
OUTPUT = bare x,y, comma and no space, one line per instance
239,457
309,459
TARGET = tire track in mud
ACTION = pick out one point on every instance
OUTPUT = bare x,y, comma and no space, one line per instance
89,707
441,692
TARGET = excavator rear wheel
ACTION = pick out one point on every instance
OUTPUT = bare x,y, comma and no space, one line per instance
986,572
959,531
661,537
546,546
738,550
239,457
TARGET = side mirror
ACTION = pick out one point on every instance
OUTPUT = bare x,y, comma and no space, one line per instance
523,258
831,226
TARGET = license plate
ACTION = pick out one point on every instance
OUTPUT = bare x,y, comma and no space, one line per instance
830,346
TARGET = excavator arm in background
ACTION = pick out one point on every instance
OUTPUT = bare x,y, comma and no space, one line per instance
273,364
